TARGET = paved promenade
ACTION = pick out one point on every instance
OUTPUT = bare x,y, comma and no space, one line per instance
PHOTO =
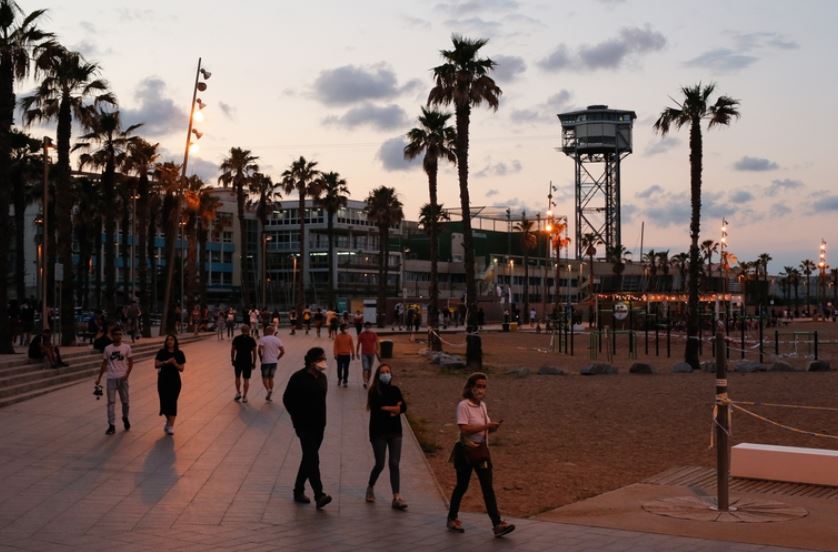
224,480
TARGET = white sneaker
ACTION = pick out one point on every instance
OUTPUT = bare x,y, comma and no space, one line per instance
170,430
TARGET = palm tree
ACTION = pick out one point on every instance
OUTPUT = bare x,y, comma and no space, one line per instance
106,131
23,169
682,260
833,281
463,80
69,88
86,224
618,255
167,177
430,217
764,259
140,159
384,210
529,240
237,171
335,194
663,266
434,139
19,39
208,206
708,247
807,267
794,281
192,193
303,178
693,109
650,259
267,194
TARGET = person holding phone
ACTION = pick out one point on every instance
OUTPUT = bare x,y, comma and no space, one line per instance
169,362
471,454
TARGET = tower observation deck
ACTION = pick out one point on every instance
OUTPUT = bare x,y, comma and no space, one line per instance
597,139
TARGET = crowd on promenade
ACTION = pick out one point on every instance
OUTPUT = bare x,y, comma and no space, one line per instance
305,400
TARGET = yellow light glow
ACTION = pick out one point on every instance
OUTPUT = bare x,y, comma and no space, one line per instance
549,228
194,148
197,116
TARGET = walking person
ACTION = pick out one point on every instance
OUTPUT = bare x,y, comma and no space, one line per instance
118,363
318,321
307,319
254,321
270,351
471,454
368,350
386,405
292,320
305,400
344,351
243,357
169,362
220,323
230,322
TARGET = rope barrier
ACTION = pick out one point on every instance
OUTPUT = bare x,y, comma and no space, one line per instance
783,426
776,405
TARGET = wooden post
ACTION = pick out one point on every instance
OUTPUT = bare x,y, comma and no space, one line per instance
761,336
722,450
776,342
816,344
742,337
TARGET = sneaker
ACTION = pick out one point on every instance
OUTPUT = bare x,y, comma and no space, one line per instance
455,525
399,504
502,529
170,430
322,501
370,495
301,498
268,396
111,430
365,385
244,399
165,427
237,397
126,423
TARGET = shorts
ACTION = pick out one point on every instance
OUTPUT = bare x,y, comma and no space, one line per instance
268,370
367,362
243,370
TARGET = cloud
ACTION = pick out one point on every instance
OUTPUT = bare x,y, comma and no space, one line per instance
492,192
391,155
159,114
757,40
674,209
474,24
783,185
383,118
652,190
779,210
499,169
206,170
608,54
352,84
544,112
741,196
628,211
462,7
662,146
88,26
508,68
518,207
722,60
228,110
826,203
135,14
755,164
88,49
416,22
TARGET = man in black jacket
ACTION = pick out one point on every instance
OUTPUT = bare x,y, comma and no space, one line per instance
305,400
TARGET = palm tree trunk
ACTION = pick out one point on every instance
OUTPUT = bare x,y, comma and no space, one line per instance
152,285
691,350
142,268
171,216
301,290
330,232
108,197
433,305
242,253
125,247
20,257
381,302
191,274
202,263
527,286
84,258
98,279
7,108
64,222
474,352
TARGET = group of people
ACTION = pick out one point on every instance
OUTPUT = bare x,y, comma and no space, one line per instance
305,400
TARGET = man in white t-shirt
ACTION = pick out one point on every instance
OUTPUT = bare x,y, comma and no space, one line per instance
118,363
254,321
270,351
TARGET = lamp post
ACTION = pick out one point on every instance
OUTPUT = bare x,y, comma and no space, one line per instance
822,266
191,147
722,269
44,247
265,239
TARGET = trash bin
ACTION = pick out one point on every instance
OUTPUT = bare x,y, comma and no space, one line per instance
505,327
513,327
386,348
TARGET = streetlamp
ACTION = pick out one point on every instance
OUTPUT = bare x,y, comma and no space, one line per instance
47,143
191,147
265,239
722,268
823,266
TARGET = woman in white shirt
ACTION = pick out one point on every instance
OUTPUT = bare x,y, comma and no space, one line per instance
471,453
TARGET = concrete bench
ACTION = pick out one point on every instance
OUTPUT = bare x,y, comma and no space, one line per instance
779,463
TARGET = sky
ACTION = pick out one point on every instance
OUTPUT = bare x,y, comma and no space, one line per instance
342,82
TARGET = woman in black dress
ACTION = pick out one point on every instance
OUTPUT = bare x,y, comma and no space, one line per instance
169,363
386,405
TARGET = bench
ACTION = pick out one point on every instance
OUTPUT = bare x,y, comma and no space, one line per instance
780,463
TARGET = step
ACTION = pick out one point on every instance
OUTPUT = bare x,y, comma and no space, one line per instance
6,371
34,393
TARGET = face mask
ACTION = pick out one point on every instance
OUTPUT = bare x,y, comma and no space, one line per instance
321,365
385,378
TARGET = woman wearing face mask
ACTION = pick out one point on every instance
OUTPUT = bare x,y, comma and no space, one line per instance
471,453
305,400
386,404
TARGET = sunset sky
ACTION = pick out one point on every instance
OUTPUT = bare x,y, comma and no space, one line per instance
342,82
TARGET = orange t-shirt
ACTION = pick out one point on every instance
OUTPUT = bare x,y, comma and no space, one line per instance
343,344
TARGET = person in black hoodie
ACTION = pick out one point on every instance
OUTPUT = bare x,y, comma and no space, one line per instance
386,405
305,400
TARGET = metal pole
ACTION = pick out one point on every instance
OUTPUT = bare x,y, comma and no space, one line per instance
742,333
761,334
45,250
264,266
133,240
722,450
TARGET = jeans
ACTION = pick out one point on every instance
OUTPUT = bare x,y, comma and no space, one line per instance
343,367
367,362
380,444
310,441
115,385
484,475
